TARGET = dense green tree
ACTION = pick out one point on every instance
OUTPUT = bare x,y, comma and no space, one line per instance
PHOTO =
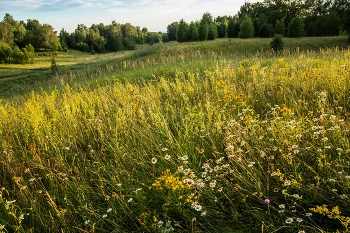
29,54
5,52
114,38
296,27
95,41
194,34
213,31
6,33
44,37
129,43
203,30
327,25
246,28
10,20
183,32
222,29
279,28
171,30
32,24
232,28
18,56
19,35
207,18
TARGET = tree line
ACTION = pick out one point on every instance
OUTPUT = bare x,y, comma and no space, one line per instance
19,40
108,38
292,18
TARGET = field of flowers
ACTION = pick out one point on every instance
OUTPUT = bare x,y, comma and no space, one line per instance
261,144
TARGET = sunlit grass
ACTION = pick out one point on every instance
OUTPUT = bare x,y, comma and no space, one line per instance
191,142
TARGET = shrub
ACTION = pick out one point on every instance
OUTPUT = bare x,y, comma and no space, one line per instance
277,43
54,66
5,52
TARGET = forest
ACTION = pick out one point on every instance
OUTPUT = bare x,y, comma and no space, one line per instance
291,18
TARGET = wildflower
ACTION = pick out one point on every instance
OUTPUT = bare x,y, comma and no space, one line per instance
10,202
308,214
107,198
66,148
130,199
203,213
289,220
296,196
302,231
165,149
21,216
220,189
343,196
167,157
212,184
183,158
154,160
198,207
267,201
104,216
160,223
119,184
281,211
282,206
299,220
109,210
340,173
86,222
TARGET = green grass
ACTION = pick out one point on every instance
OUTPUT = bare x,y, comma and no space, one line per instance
220,136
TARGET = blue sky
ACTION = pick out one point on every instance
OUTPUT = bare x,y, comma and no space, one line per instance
153,14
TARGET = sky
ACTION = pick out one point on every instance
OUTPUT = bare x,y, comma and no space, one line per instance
155,15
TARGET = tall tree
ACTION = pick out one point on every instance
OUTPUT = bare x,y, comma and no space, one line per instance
182,32
213,31
194,34
232,28
171,30
203,30
6,33
296,27
246,28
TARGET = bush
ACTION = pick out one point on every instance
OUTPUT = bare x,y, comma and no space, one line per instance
18,56
277,43
54,66
5,52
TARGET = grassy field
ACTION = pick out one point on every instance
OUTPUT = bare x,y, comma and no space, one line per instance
219,136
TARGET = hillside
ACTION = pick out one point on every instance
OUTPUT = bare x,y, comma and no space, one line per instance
220,136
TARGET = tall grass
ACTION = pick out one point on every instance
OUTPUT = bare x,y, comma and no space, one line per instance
248,144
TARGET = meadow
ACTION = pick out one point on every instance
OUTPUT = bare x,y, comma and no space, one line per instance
220,136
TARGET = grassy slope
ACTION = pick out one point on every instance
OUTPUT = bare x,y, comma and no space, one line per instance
110,148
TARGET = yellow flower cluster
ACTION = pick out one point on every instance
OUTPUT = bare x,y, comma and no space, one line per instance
168,181
332,214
